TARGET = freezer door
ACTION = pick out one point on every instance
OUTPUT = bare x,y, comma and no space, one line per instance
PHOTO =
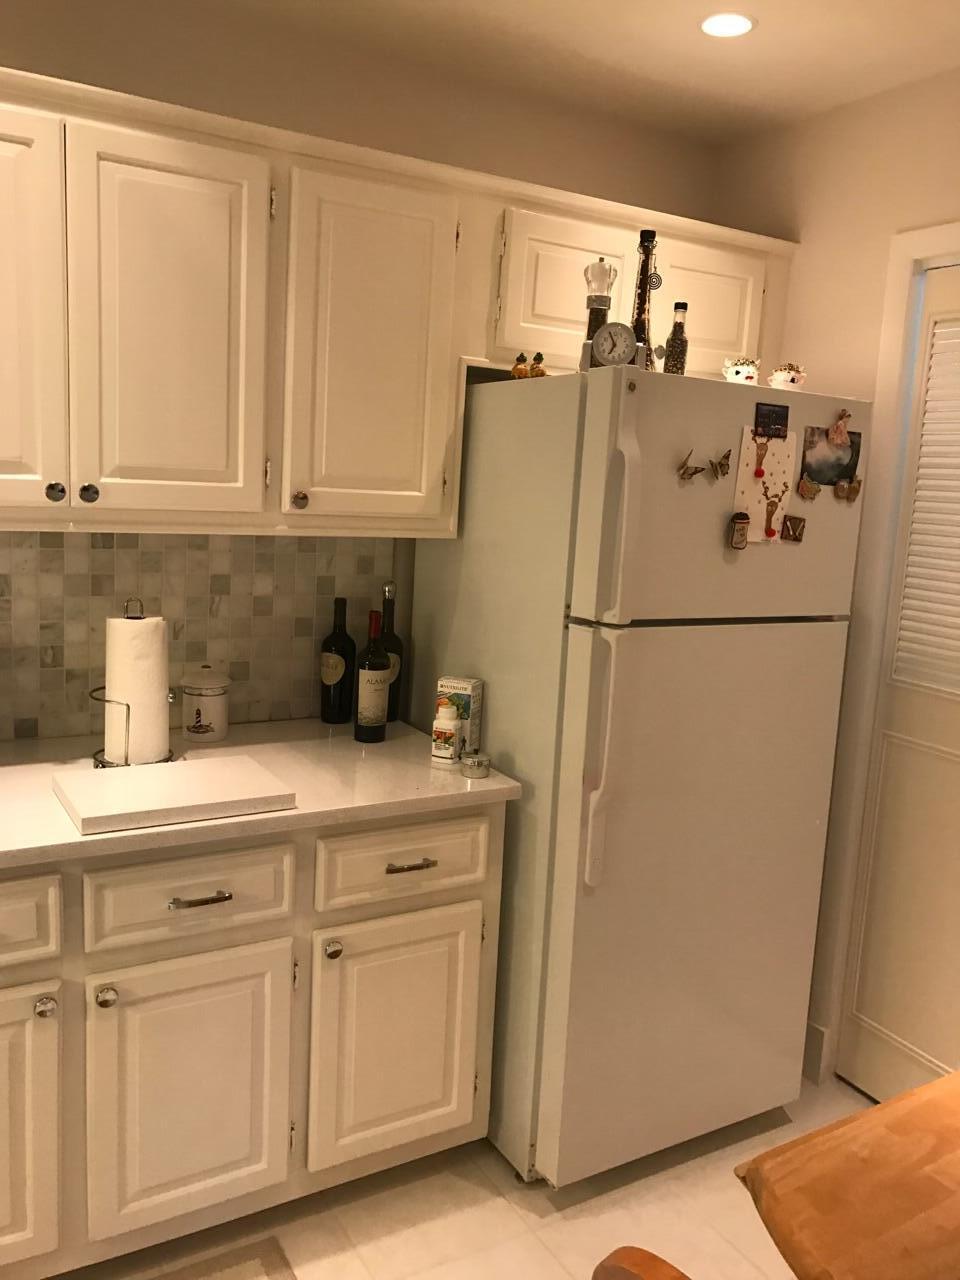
653,546
694,789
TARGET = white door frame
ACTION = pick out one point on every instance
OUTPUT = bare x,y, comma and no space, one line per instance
911,254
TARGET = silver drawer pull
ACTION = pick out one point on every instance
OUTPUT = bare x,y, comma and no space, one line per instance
185,904
423,865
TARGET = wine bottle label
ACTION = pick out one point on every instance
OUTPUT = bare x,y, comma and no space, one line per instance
332,667
372,687
394,666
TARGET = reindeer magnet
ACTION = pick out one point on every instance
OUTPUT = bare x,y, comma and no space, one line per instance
765,476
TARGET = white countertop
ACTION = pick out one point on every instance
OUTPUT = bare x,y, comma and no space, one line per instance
336,780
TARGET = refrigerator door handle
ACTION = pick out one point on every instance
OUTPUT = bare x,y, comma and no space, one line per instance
598,801
630,524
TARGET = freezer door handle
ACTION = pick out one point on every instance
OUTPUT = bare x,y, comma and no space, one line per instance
598,799
629,450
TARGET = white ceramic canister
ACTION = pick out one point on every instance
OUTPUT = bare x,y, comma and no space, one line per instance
206,705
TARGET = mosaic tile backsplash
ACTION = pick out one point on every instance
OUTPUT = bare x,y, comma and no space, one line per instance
256,607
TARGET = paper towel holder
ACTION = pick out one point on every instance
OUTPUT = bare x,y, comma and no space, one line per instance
100,761
99,694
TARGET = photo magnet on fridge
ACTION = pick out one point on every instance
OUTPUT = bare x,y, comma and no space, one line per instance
770,421
827,463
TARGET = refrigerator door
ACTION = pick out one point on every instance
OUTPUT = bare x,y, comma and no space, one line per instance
653,546
695,781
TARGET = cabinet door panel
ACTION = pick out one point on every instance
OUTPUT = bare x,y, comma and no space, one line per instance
393,1042
33,394
724,290
543,303
29,1123
187,1084
370,297
168,248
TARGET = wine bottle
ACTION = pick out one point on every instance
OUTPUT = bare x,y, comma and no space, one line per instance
373,684
394,647
675,352
338,664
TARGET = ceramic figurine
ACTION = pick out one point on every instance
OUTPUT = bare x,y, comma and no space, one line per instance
536,366
787,375
743,369
520,369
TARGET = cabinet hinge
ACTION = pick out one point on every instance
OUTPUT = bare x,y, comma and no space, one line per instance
443,486
456,243
273,202
476,1084
293,1135
296,974
483,930
267,472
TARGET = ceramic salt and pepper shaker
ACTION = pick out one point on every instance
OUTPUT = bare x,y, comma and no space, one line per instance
206,704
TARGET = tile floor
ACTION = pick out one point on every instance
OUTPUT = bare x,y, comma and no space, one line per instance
463,1215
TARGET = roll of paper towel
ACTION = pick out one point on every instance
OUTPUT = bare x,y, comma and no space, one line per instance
137,673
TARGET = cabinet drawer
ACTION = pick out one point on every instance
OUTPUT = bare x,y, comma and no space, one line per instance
29,919
189,896
398,862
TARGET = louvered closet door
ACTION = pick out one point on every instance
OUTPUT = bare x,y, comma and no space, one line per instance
902,1025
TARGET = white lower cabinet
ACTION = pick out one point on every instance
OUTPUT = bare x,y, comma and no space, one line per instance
394,1031
187,1083
29,1121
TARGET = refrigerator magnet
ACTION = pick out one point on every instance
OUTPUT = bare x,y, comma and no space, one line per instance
686,472
720,467
793,528
807,488
826,462
771,420
739,525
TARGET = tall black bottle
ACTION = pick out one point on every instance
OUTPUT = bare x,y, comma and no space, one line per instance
394,647
373,685
338,666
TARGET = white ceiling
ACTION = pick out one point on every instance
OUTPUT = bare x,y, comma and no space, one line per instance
649,61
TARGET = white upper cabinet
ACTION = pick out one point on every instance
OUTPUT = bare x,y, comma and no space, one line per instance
394,1031
167,249
188,1065
29,1121
724,290
33,393
368,416
543,295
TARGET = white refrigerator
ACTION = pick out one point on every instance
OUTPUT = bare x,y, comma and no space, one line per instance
670,705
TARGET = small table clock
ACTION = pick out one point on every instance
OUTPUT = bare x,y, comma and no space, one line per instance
613,343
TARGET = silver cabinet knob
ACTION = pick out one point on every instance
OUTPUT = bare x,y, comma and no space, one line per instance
89,493
300,500
333,950
45,1007
107,997
55,491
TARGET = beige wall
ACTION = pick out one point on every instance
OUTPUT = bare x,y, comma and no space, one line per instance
222,56
844,184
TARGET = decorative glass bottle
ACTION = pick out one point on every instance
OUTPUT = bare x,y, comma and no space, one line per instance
675,351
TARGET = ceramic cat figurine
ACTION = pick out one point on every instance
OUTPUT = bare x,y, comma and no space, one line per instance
787,375
743,369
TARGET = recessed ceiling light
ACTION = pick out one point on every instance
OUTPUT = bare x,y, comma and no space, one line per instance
726,25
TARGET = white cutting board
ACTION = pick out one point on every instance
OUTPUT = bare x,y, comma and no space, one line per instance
153,795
